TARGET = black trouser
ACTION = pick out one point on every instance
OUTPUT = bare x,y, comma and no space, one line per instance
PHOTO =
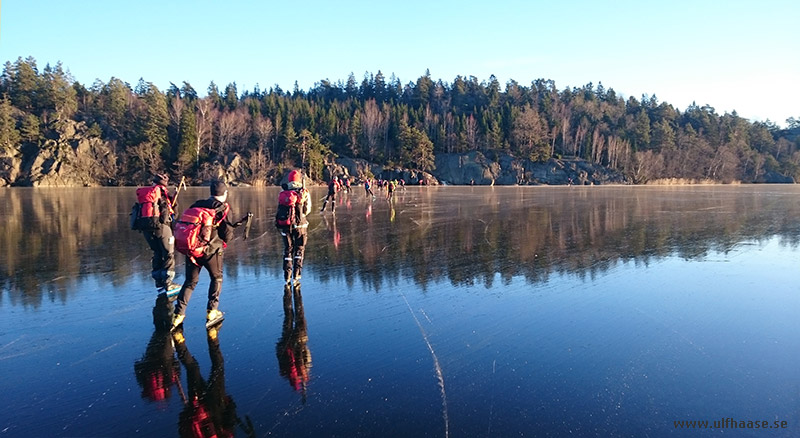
332,198
294,245
162,243
213,265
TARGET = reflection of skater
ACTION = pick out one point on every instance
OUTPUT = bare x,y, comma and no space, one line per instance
333,187
337,236
155,210
294,357
158,370
215,209
208,410
294,232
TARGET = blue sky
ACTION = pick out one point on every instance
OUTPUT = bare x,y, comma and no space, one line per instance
732,55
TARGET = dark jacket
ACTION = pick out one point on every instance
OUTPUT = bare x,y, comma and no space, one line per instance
222,233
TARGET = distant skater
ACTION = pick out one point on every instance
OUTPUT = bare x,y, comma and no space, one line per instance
333,187
390,190
368,188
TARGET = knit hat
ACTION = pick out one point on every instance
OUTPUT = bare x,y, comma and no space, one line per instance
295,176
295,180
161,179
218,188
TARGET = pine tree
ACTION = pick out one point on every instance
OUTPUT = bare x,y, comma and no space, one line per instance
24,85
231,97
416,150
187,147
156,120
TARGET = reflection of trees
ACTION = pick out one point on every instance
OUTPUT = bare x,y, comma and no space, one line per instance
537,232
52,240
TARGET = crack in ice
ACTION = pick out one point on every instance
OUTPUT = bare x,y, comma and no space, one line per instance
437,367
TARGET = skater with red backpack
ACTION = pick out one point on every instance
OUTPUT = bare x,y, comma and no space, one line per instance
202,233
152,215
294,204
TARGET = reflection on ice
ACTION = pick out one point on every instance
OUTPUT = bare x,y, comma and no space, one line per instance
465,235
294,357
477,311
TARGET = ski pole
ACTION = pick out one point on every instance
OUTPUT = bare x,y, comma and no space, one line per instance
178,189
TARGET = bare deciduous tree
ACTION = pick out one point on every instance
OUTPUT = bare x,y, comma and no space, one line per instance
373,125
205,115
233,130
471,133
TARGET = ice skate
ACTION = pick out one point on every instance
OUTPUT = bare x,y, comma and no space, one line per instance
214,317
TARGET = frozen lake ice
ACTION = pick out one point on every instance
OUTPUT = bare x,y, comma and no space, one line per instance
449,312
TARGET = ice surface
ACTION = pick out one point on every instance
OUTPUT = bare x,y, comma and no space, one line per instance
452,311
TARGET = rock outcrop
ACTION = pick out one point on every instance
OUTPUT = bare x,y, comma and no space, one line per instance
476,168
69,156
10,166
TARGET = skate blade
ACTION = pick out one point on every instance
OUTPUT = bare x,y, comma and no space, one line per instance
215,321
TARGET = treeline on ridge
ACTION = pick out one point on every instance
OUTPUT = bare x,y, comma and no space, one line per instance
386,122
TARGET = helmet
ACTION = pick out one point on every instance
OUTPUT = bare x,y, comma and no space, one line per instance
161,179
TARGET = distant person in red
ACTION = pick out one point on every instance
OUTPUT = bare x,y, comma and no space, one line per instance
346,184
333,187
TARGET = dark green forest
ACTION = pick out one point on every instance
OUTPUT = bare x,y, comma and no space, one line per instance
386,122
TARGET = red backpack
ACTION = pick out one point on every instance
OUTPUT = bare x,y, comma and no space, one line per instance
193,230
148,197
287,214
146,212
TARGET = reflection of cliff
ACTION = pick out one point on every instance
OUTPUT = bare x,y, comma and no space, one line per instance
51,237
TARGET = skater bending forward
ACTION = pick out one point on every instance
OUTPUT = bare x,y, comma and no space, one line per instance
209,256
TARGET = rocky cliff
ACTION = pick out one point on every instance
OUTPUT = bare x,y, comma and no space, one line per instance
474,167
68,156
